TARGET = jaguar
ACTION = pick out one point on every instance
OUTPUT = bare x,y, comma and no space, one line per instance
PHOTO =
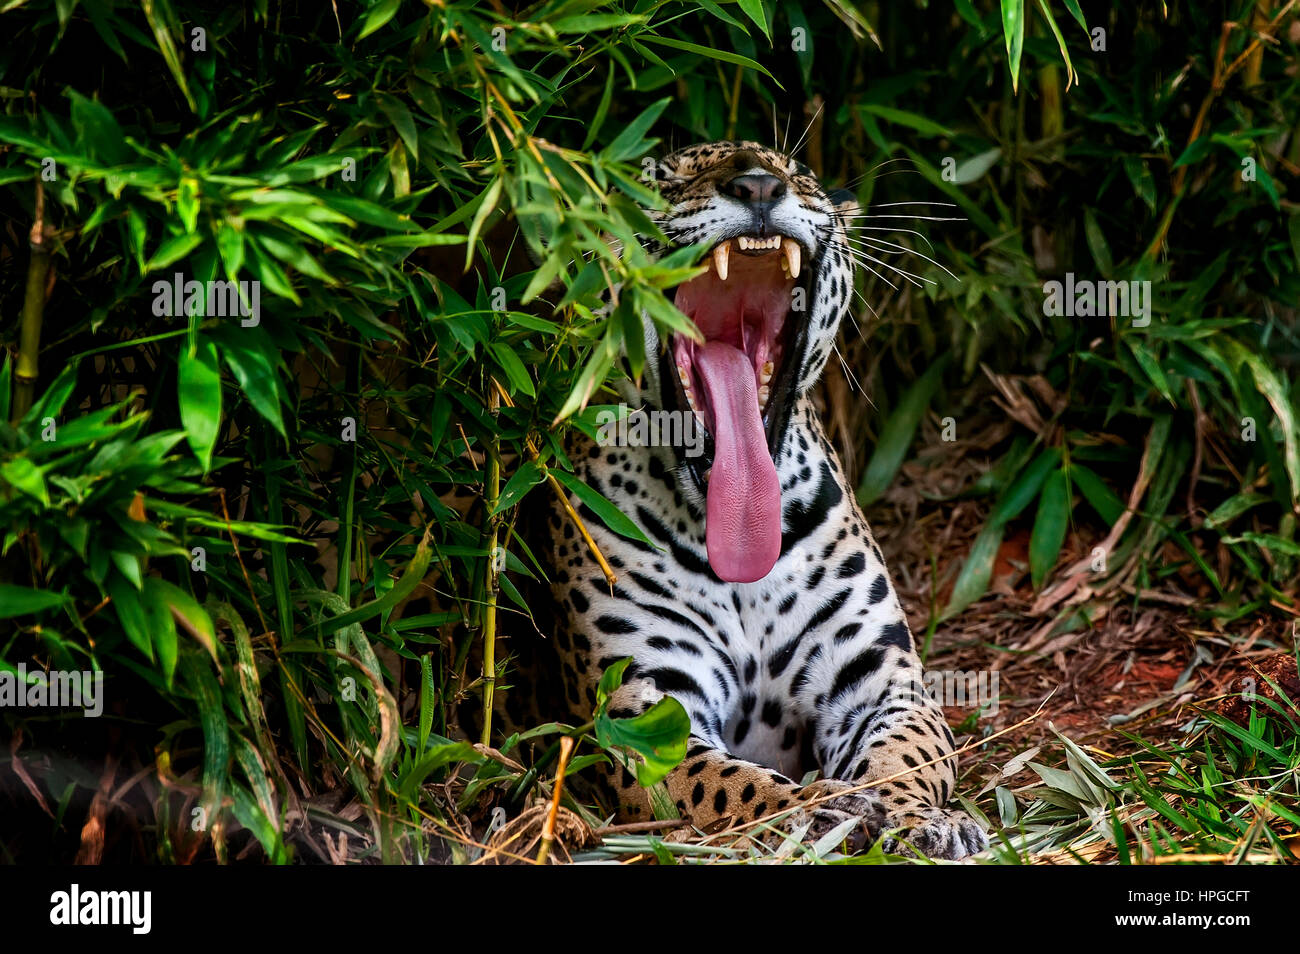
764,606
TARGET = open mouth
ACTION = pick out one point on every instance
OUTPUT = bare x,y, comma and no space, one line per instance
739,384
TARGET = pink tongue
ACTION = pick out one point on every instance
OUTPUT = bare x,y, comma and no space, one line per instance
743,525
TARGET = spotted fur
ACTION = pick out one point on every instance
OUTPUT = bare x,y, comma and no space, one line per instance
812,667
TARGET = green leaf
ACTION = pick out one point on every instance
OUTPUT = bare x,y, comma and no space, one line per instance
198,382
1049,527
186,611
433,758
252,359
487,204
20,600
174,249
162,626
379,14
897,434
163,21
1097,244
402,121
21,474
130,614
592,376
610,515
1276,393
629,143
658,735
529,475
1139,346
1103,500
602,109
513,367
1073,7
976,571
754,10
711,54
610,680
428,700
973,169
925,127
1195,151
1013,29
1060,40
1232,508
1025,487
55,396
411,577
206,693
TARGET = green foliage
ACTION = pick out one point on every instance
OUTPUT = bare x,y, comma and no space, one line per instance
1211,795
438,202
658,735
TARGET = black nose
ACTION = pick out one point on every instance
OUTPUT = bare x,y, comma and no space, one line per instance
755,189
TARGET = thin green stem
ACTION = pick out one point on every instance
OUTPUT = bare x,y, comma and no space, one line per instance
493,493
27,371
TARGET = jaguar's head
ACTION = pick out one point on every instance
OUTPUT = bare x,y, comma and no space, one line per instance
778,282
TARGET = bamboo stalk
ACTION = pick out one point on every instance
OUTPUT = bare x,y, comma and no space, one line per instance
26,372
1051,119
1255,62
548,829
347,511
493,490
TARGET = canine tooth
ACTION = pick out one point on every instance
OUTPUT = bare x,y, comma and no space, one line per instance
721,258
791,249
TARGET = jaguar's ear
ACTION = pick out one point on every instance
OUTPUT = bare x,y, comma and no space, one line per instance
844,200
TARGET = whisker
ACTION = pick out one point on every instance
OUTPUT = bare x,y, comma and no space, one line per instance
892,231
914,218
874,314
807,130
888,205
862,257
853,381
863,177
880,244
852,256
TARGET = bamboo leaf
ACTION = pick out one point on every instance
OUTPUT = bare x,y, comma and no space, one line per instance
1013,30
1049,527
897,434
